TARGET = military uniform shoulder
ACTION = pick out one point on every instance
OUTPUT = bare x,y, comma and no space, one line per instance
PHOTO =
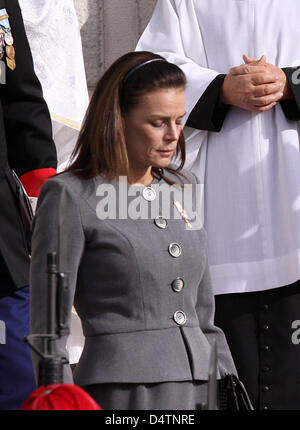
6,36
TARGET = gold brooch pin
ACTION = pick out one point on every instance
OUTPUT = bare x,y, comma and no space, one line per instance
183,213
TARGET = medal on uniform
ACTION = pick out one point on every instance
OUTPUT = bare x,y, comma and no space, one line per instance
183,213
4,22
10,57
9,40
2,44
10,52
6,40
11,63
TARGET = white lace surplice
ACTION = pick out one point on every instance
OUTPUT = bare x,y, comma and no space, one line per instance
54,37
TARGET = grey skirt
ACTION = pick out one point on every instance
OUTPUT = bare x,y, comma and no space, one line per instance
187,395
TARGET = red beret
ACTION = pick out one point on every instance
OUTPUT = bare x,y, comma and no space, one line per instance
60,397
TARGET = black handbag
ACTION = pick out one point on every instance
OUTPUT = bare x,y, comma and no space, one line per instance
233,395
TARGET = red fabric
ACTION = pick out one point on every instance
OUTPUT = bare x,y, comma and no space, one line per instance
32,181
60,397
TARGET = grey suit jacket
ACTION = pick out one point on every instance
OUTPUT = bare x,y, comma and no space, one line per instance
121,281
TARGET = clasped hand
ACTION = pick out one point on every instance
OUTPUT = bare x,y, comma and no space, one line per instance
255,86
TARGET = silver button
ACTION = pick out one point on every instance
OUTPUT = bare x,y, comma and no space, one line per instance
175,250
149,194
180,317
160,222
178,285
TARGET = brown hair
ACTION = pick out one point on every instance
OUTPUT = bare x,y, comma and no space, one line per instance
101,146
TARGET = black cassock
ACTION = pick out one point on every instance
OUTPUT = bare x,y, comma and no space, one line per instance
258,325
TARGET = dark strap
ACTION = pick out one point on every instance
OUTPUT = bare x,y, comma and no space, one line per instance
3,146
23,203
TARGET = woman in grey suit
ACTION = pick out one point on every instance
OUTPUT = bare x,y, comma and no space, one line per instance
137,262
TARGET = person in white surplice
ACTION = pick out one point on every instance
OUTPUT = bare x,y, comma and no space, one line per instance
241,59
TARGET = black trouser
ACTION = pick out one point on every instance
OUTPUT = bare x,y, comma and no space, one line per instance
17,379
258,328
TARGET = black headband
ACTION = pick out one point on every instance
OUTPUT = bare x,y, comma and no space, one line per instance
127,76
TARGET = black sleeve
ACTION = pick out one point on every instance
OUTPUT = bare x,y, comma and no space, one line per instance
26,116
209,113
291,108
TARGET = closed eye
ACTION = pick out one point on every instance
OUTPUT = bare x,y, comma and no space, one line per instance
157,124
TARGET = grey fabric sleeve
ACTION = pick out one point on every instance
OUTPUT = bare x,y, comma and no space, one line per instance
45,240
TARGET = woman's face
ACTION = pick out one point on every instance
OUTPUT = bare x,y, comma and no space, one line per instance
152,129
